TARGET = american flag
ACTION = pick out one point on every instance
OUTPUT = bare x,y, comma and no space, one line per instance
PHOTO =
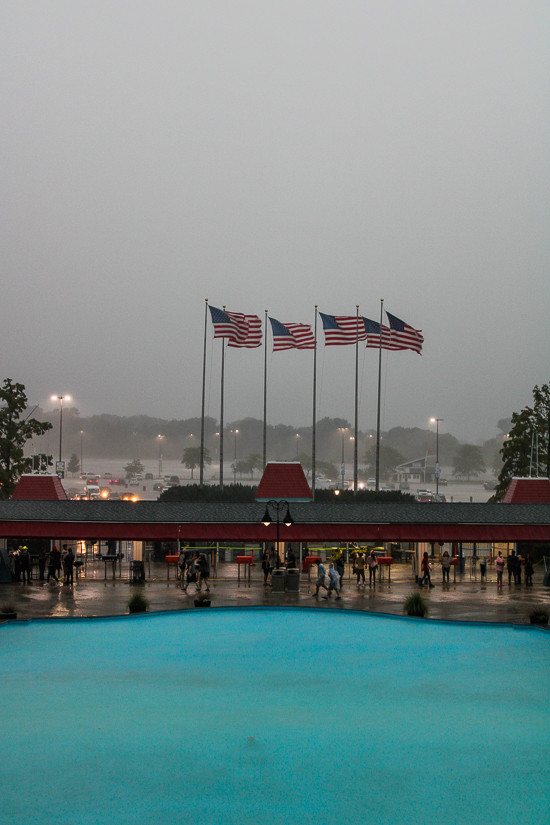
404,335
373,336
342,329
291,336
242,330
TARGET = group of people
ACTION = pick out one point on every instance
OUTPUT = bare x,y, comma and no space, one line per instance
515,564
271,562
361,561
193,569
51,563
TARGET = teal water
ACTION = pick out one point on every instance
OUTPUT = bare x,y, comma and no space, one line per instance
273,716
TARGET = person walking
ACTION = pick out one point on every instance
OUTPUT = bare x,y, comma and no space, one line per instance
499,567
340,568
446,566
265,565
273,559
426,571
511,567
373,564
25,562
320,579
529,570
42,559
204,571
190,575
68,564
517,572
290,558
333,582
15,565
360,568
54,562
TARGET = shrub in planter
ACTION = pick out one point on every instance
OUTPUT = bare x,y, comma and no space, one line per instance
137,603
539,615
415,605
8,611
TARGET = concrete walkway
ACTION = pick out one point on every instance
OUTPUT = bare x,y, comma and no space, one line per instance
463,601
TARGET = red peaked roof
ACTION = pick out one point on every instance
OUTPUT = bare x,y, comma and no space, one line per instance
283,480
528,491
40,488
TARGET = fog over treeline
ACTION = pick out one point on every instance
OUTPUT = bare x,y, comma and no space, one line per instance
125,438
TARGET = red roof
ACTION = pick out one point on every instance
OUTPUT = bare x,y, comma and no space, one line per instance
40,488
528,491
283,480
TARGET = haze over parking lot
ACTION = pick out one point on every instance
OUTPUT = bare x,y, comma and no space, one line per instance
276,155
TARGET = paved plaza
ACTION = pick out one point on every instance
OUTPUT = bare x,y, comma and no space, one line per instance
467,599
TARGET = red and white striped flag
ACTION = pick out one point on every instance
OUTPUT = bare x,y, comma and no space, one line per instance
405,336
373,336
241,330
291,336
342,329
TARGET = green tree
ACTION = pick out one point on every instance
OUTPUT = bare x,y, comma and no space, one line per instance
252,462
305,461
468,461
14,434
134,468
528,427
192,458
327,468
389,460
73,466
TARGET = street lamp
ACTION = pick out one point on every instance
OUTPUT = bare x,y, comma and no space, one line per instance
235,434
437,470
297,441
61,399
278,507
159,439
81,452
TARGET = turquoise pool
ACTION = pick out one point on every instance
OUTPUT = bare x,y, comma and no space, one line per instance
273,716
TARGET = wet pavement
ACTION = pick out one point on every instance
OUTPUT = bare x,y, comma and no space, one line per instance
465,600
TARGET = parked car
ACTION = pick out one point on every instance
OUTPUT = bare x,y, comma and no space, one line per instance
404,486
443,482
149,476
134,482
121,482
158,487
174,480
105,492
115,496
490,485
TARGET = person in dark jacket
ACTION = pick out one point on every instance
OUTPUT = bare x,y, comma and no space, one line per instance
340,568
511,566
204,571
265,565
25,562
54,564
42,559
68,563
290,558
15,565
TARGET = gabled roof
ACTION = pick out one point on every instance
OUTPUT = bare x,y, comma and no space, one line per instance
40,488
528,491
283,480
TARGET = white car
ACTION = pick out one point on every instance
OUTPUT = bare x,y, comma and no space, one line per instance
134,482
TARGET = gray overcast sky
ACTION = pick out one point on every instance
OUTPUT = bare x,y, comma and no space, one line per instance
276,155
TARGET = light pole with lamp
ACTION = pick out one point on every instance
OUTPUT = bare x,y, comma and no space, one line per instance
297,442
278,506
235,434
159,439
437,470
61,399
81,453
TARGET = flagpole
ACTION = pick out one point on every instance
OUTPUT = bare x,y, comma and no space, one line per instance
201,461
313,431
264,458
222,394
356,403
377,485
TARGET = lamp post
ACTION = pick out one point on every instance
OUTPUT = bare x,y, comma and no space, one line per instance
61,399
159,439
278,507
81,453
343,464
235,434
437,471
297,442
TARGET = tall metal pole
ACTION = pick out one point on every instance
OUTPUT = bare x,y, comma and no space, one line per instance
437,456
235,456
222,396
264,454
356,429
377,474
314,424
81,454
201,471
60,424
343,464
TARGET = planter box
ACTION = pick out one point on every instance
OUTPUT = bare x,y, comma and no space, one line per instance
202,602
